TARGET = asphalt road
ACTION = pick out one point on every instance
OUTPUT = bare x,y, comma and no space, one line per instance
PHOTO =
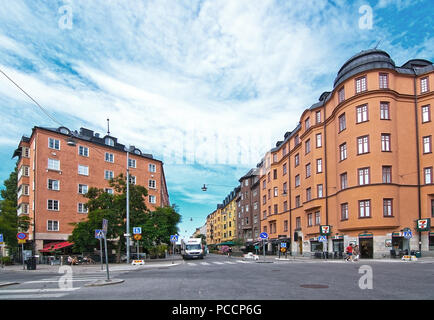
223,278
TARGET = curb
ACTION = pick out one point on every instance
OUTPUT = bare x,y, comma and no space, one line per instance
104,283
4,284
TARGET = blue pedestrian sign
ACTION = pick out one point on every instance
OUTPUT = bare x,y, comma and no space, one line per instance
137,230
283,244
98,234
322,239
174,238
263,235
408,235
1,237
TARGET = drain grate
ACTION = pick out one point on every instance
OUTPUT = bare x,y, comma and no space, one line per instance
314,286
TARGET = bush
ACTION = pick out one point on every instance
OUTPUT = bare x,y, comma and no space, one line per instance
7,261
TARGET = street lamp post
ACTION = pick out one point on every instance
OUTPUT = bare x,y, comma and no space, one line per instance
128,208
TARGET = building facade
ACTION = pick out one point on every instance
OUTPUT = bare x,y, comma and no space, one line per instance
229,217
57,166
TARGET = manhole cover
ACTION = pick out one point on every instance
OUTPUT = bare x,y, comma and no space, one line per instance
314,286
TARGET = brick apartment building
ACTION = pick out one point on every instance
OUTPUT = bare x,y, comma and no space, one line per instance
56,167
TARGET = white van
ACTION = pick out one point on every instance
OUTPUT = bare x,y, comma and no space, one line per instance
192,249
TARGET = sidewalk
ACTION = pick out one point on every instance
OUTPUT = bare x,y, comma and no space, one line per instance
311,259
94,268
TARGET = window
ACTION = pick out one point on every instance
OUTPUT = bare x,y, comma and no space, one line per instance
53,185
364,208
384,80
152,199
309,220
131,163
344,211
297,201
362,113
341,95
53,205
284,169
109,141
298,223
264,199
152,168
284,151
342,122
308,194
317,218
296,140
319,190
269,194
276,191
285,188
152,184
344,181
296,160
363,145
343,151
82,188
426,114
82,208
297,180
255,205
276,209
247,208
285,225
269,177
432,208
285,206
264,184
361,84
264,214
363,176
318,165
318,117
428,175
53,164
319,140
83,151
246,182
26,152
108,174
52,225
427,144
132,179
275,174
387,174
83,170
275,157
307,123
308,170
387,207
385,142
424,86
108,190
109,157
307,146
384,111
53,143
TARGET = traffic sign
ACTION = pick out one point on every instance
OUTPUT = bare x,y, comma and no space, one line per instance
322,239
137,230
408,234
1,237
264,235
104,225
283,244
137,237
21,241
174,238
21,236
98,234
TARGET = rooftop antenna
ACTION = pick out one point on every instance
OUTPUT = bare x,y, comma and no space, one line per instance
377,44
108,126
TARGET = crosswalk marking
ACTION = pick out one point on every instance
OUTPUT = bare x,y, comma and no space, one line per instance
204,263
36,290
217,262
228,262
241,261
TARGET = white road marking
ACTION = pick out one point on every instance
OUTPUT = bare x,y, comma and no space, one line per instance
241,261
36,290
217,262
33,296
204,263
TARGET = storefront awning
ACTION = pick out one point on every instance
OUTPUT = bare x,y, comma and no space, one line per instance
227,243
56,246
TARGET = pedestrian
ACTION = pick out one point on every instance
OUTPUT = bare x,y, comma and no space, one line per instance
229,252
356,253
70,260
349,252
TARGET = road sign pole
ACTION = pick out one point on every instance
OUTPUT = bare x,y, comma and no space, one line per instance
100,253
128,208
22,253
138,257
264,250
173,251
106,257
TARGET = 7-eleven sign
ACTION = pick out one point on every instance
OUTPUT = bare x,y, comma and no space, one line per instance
424,224
325,230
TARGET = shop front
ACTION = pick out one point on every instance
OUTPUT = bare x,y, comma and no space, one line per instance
338,245
366,245
431,241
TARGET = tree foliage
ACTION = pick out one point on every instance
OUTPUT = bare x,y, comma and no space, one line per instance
157,226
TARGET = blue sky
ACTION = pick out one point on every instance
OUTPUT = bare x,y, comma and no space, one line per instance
206,86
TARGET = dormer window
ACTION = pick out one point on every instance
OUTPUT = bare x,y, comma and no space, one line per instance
64,131
109,141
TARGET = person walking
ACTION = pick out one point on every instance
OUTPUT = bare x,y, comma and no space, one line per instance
229,252
349,252
356,253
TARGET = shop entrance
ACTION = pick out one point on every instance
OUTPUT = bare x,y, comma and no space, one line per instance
366,246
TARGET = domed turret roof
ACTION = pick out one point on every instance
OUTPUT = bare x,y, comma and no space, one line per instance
363,61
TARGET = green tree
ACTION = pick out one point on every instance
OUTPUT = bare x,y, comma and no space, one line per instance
10,223
203,237
156,226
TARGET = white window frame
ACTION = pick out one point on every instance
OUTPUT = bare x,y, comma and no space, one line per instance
54,143
86,171
153,166
108,174
81,208
52,225
52,184
83,186
152,184
51,164
152,199
109,157
132,163
83,151
53,205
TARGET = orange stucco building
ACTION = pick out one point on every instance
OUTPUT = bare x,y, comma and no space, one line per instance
57,166
360,161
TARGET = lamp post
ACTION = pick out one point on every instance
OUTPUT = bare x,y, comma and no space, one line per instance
127,234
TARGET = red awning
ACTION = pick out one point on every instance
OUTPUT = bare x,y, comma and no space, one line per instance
56,246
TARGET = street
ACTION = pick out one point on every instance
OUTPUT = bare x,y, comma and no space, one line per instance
222,278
